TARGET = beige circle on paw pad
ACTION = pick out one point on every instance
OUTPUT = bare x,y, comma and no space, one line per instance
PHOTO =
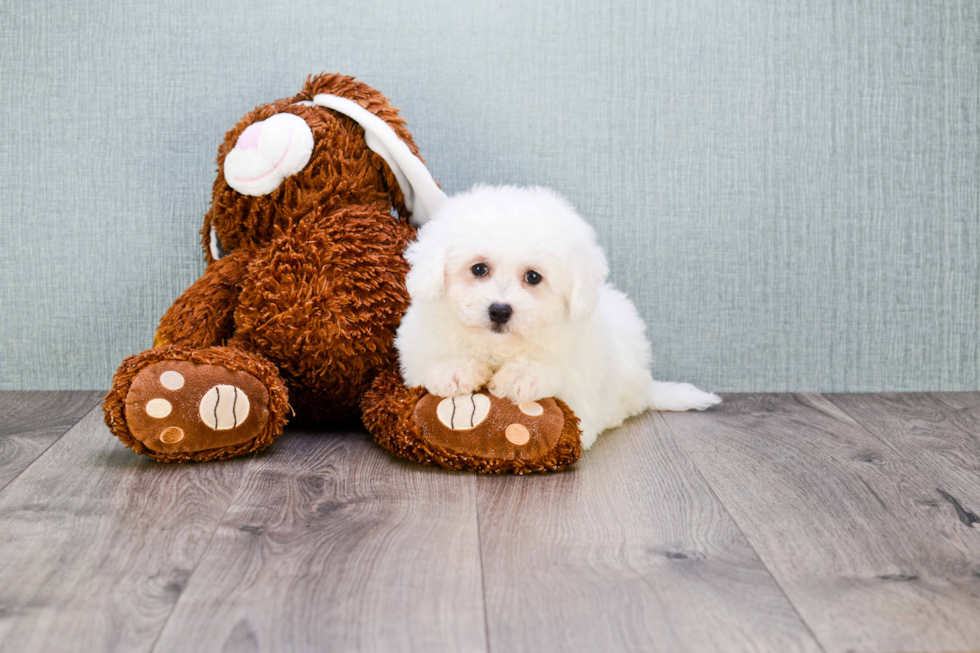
172,434
531,408
463,413
224,407
172,380
158,408
517,434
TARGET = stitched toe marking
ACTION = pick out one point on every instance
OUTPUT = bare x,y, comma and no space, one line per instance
517,434
172,435
172,380
531,408
158,408
463,413
224,407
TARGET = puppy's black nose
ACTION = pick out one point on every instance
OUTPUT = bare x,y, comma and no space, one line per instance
500,313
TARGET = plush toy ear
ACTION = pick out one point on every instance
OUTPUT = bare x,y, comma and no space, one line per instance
267,152
588,276
422,195
426,280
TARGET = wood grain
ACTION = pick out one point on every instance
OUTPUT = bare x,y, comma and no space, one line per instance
627,551
852,532
31,421
938,434
863,510
96,543
334,545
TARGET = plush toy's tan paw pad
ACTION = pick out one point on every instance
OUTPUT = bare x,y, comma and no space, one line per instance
178,406
487,427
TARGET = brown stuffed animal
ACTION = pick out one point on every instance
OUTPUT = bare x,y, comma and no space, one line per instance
297,310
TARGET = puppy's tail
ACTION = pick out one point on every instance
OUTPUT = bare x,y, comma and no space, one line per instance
680,396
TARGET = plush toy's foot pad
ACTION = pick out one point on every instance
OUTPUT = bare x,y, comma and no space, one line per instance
477,432
176,406
485,426
182,408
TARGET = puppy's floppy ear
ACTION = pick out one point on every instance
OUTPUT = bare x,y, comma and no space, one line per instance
588,273
426,279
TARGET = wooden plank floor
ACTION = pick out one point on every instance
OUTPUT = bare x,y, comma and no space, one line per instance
30,422
856,536
771,523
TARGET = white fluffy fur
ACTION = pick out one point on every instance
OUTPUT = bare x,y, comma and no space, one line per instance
572,336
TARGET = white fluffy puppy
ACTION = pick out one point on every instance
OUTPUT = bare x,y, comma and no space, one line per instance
508,290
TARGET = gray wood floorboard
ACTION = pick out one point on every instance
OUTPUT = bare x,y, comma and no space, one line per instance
31,421
334,545
706,531
939,434
849,528
627,551
96,543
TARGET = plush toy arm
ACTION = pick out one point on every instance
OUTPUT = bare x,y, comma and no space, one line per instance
203,315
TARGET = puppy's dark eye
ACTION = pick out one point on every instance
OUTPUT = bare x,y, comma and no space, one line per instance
532,277
480,270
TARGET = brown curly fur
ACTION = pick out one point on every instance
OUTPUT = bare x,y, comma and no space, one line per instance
389,414
323,304
204,315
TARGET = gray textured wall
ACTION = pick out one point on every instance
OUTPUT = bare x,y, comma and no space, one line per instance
788,189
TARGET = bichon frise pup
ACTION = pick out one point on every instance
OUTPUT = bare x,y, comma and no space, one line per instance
508,290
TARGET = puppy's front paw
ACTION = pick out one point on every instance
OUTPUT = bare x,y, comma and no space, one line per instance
454,379
522,382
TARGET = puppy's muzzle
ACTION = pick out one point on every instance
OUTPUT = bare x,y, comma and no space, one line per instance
500,313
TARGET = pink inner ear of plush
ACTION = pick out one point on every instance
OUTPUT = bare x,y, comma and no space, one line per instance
249,139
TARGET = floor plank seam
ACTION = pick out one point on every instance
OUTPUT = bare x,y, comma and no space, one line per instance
965,516
204,551
41,455
898,452
483,579
748,541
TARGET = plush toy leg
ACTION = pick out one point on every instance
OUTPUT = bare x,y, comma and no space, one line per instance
178,405
477,432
